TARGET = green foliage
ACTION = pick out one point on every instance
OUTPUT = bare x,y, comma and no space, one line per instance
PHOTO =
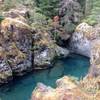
8,4
39,20
94,16
48,7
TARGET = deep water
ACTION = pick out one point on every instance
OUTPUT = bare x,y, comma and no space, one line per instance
21,88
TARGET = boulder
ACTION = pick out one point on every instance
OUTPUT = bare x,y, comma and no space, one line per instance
45,58
80,41
46,50
69,89
17,41
66,90
70,13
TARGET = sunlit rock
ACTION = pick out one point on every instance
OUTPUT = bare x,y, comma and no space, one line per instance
66,90
5,70
46,50
16,41
95,58
80,41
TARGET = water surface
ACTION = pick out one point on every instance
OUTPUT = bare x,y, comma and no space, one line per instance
21,88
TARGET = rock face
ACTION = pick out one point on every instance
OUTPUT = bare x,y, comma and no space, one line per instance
15,47
80,41
70,13
86,41
16,43
5,70
67,89
95,58
46,50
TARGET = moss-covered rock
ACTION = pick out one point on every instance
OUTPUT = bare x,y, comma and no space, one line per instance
71,13
46,50
16,43
66,90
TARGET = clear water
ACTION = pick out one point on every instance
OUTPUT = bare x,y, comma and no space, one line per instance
21,88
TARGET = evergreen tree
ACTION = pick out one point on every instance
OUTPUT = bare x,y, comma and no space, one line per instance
48,7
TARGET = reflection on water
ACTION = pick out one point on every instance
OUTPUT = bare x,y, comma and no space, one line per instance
21,88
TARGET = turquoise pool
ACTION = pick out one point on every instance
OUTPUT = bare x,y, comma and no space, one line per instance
21,88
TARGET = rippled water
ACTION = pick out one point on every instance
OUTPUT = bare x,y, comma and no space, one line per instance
21,88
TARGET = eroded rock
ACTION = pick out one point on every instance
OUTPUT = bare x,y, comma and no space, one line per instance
5,69
46,50
80,41
66,90
70,13
15,45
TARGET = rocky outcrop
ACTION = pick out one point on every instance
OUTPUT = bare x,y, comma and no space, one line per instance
95,58
17,42
70,13
80,41
15,46
20,50
5,70
86,41
68,89
46,50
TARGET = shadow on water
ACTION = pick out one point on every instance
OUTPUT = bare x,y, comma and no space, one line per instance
22,87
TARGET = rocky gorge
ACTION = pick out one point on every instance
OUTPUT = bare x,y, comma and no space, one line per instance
85,42
30,41
17,40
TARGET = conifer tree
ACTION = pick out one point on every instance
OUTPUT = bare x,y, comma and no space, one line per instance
48,7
